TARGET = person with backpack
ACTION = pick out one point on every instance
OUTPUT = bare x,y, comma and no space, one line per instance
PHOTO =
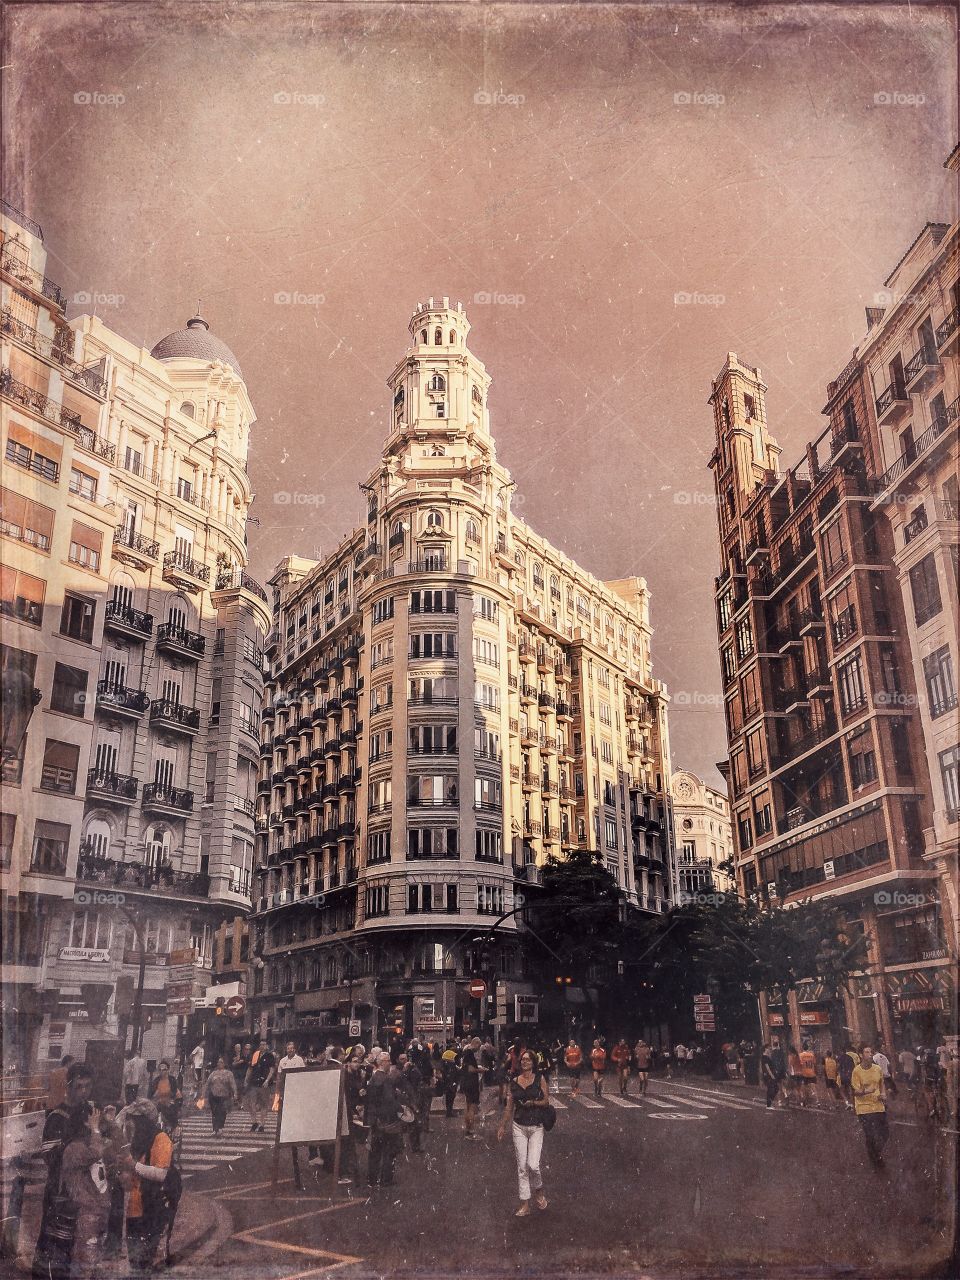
573,1061
598,1062
85,1181
156,1186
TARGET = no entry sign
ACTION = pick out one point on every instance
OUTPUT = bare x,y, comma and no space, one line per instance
478,988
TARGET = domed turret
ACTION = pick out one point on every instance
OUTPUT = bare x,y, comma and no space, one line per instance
196,342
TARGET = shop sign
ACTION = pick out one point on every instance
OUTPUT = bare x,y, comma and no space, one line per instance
97,955
937,953
181,973
527,1008
917,1004
179,991
187,956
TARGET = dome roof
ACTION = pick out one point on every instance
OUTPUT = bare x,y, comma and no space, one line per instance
195,342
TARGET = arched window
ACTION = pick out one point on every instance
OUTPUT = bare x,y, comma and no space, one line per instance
453,337
554,586
501,504
437,383
158,847
300,974
472,531
438,337
122,591
188,409
330,969
96,843
423,337
397,531
538,574
434,520
518,558
438,451
315,974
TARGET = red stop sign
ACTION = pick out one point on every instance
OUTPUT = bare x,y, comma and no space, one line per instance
235,1006
478,988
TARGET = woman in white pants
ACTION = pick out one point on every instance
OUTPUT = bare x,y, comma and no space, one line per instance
528,1095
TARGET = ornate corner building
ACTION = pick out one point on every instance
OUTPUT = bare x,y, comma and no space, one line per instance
702,836
132,665
837,621
452,700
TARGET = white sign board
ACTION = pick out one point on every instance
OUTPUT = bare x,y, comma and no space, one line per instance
309,1105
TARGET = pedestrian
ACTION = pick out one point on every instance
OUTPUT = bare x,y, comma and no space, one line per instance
573,1060
259,1077
166,1093
869,1096
808,1075
845,1064
598,1063
114,1149
151,1163
85,1182
470,1084
422,1060
792,1097
136,1077
620,1053
642,1055
830,1072
732,1060
65,1122
883,1062
773,1069
680,1053
290,1060
382,1117
240,1064
407,1080
220,1092
908,1065
196,1057
57,1082
528,1098
450,1074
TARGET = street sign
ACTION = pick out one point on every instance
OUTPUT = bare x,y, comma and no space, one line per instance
187,955
702,1000
353,1030
180,1007
478,988
526,1008
235,1006
707,1024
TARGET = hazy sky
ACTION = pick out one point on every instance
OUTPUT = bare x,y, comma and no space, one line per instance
590,162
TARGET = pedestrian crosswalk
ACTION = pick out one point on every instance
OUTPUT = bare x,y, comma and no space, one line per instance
200,1151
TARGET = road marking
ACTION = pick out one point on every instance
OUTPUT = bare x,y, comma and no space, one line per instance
623,1102
654,1103
675,1115
716,1099
555,1101
189,1166
689,1102
253,1237
588,1103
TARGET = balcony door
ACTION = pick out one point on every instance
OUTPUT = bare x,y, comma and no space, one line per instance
165,768
158,848
107,753
114,670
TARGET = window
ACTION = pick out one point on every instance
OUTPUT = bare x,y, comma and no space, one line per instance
941,690
749,408
21,596
69,693
60,761
381,697
744,831
490,899
489,846
381,744
487,696
431,789
488,794
90,930
724,610
925,589
951,786
606,751
26,521
433,602
863,761
432,842
32,460
86,545
728,664
378,847
610,832
484,607
381,653
755,752
433,644
433,739
486,651
438,337
603,712
486,744
50,843
77,617
440,690
472,531
383,610
744,639
763,820
188,409
834,549
8,827
850,677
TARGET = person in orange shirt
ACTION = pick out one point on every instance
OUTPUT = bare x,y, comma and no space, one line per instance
808,1075
149,1163
598,1061
621,1056
573,1060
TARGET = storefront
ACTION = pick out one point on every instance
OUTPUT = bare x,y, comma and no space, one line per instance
922,1004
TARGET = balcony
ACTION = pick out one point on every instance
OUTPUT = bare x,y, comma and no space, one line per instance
429,564
121,700
921,370
177,639
528,693
160,880
916,526
527,653
118,788
845,626
845,441
811,620
166,799
756,547
15,263
133,623
893,403
50,349
237,580
948,333
181,570
564,711
546,702
132,548
166,713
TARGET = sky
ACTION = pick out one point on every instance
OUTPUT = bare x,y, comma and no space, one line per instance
619,195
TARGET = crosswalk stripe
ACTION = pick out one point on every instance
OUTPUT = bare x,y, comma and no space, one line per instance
689,1102
560,1106
622,1102
587,1102
717,1098
653,1102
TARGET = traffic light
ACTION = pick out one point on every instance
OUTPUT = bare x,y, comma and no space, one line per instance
218,1008
563,980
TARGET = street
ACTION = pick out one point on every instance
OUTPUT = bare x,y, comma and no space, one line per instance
695,1176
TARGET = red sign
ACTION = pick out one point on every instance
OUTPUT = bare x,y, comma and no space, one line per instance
478,988
235,1006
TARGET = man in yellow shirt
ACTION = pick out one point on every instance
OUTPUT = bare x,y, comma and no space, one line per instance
869,1100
